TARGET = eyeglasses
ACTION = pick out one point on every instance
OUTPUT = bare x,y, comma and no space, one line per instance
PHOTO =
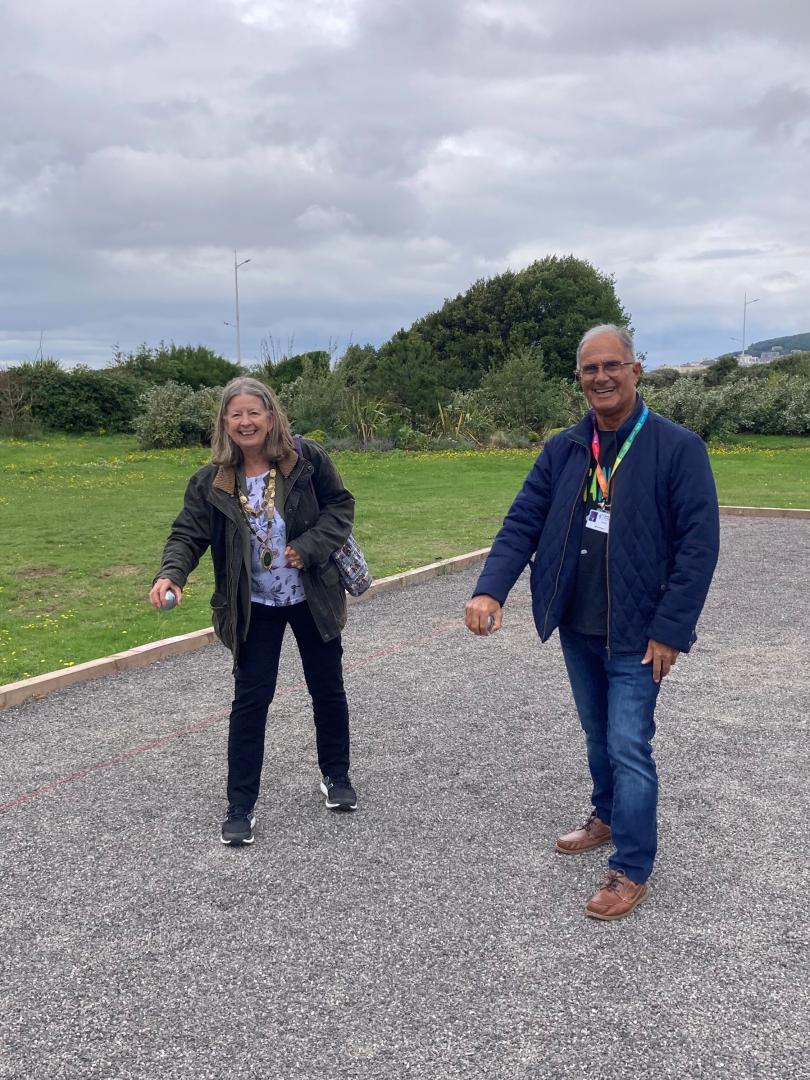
610,367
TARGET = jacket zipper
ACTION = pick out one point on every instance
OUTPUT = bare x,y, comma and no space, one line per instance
565,545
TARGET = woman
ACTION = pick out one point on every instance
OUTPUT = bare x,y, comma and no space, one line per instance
273,518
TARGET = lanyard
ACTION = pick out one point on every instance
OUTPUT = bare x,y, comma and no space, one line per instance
605,478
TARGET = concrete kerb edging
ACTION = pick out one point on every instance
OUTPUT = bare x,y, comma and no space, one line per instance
41,685
764,512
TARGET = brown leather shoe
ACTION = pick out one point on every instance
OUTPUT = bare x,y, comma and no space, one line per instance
585,837
617,897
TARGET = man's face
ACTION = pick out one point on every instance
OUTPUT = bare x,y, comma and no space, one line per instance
611,395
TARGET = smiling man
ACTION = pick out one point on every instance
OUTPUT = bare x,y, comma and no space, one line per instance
619,515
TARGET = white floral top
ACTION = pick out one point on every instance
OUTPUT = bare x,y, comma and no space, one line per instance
281,585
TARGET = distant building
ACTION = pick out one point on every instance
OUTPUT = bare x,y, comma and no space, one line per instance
771,354
692,367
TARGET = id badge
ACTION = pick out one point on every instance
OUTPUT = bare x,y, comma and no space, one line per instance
598,520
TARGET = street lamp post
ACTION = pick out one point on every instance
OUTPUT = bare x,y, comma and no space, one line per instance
236,266
746,302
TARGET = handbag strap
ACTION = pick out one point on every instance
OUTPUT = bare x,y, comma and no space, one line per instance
300,449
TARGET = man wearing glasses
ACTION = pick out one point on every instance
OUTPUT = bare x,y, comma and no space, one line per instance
619,517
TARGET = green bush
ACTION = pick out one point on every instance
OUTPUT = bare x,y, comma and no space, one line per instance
192,365
83,400
779,405
776,406
707,412
659,379
316,435
173,415
315,403
467,416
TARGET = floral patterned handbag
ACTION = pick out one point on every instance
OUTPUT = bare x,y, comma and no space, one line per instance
351,563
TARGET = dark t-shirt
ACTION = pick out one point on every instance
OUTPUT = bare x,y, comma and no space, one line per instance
587,609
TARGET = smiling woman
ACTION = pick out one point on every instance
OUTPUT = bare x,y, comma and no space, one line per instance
272,517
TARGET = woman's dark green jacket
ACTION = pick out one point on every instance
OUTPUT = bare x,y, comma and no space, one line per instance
315,528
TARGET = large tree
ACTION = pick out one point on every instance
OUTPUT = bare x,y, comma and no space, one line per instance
547,306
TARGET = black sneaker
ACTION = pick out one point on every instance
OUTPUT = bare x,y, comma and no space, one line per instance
237,828
340,795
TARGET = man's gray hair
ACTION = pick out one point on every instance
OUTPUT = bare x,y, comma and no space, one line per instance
620,332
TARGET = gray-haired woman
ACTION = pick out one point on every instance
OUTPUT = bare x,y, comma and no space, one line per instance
272,518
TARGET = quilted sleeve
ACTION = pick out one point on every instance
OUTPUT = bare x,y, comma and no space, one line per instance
519,535
695,546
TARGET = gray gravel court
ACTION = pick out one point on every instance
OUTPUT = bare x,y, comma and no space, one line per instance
435,933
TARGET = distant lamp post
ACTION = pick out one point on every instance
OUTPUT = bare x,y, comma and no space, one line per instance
236,266
746,303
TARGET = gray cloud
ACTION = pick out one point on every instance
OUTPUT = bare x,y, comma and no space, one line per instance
372,159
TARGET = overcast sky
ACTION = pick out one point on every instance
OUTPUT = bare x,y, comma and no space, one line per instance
373,157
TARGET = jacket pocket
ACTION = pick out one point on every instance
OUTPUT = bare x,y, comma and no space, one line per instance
328,573
220,621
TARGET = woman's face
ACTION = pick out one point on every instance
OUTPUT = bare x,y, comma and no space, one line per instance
247,422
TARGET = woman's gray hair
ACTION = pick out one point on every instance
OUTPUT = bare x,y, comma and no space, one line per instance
279,442
621,332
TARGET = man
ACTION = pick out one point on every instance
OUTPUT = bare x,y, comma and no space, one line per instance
620,517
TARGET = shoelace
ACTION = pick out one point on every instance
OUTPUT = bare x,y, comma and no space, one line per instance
612,881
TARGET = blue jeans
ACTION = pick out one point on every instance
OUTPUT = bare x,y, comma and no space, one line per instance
615,697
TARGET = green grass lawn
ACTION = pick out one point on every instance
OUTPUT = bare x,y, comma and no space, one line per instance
84,521
763,470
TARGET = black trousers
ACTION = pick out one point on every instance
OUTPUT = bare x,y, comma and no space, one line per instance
255,678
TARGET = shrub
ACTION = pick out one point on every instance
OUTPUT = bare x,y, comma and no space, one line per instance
314,403
710,413
174,415
408,438
467,416
81,400
659,379
779,405
15,405
518,393
192,365
316,435
364,419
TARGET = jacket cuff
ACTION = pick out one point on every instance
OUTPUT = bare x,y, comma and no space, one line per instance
496,594
670,633
174,574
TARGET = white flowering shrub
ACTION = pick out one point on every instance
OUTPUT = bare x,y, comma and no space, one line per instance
778,405
174,415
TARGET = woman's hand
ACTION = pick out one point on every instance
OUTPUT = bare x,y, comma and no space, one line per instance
157,595
292,558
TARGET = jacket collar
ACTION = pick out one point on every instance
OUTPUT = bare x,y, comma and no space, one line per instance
226,478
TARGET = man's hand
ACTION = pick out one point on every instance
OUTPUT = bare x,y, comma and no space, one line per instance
483,615
662,657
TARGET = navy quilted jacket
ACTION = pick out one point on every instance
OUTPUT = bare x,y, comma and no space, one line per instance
663,542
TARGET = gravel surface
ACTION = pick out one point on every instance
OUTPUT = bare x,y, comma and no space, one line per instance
435,933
